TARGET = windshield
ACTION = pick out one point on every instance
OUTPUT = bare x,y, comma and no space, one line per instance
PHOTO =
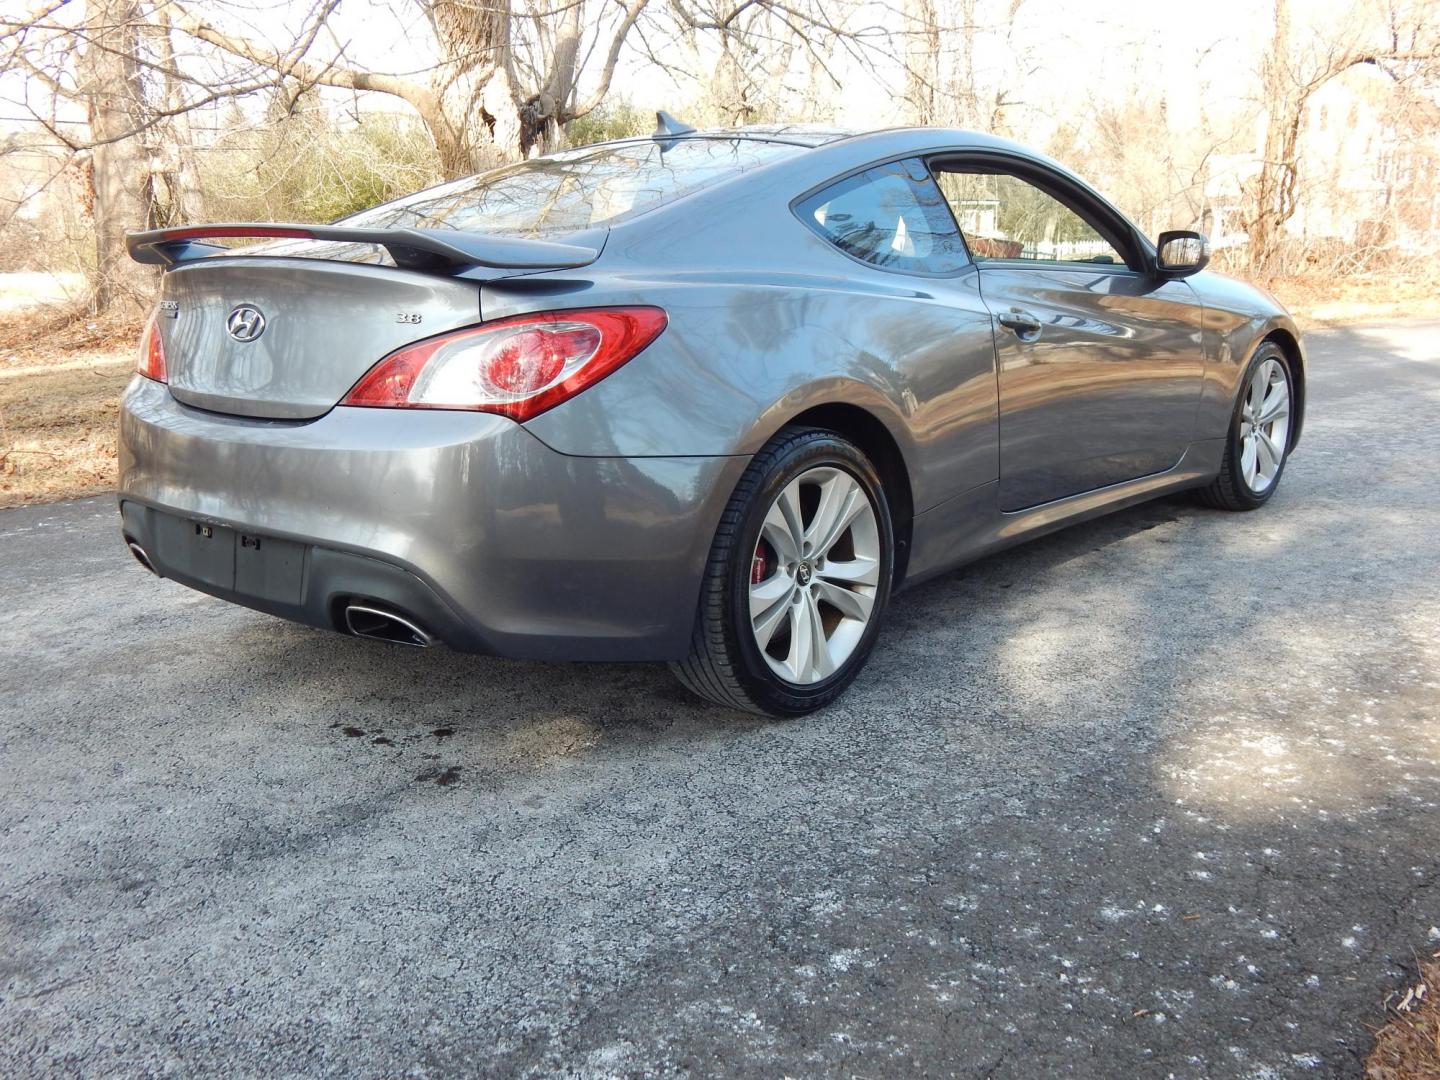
574,189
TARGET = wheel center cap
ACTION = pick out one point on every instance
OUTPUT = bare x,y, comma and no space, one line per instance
803,573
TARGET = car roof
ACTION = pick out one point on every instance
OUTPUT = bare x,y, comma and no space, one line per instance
814,136
827,146
805,135
833,152
798,134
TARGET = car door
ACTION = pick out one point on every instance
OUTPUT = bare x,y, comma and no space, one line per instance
1099,363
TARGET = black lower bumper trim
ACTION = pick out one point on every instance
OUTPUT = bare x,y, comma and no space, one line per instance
305,583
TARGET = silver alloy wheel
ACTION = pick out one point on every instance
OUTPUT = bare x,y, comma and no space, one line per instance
814,574
1264,425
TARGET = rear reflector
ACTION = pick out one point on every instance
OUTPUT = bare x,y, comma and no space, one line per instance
517,367
150,361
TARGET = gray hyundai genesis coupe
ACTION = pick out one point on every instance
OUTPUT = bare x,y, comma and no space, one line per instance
702,397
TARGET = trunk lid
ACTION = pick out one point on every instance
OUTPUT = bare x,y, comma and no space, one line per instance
287,338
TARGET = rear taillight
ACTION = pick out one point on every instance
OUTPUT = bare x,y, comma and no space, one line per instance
517,367
151,359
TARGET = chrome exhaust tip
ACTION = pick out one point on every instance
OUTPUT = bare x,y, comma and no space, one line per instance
141,557
381,625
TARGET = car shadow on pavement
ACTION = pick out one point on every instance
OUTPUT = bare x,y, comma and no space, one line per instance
642,698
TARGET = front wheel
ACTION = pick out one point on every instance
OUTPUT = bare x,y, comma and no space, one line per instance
797,580
1259,437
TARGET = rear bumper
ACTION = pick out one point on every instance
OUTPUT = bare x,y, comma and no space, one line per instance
465,520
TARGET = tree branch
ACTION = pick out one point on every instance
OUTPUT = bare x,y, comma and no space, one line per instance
633,8
305,70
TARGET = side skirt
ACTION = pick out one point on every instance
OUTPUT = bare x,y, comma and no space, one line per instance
970,525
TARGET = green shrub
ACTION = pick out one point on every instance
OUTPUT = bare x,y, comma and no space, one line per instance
613,120
303,167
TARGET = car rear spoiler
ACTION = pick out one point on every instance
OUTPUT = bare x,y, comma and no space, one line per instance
434,250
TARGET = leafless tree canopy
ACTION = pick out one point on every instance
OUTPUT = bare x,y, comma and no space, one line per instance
126,102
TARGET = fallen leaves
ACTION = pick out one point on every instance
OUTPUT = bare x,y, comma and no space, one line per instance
1408,1046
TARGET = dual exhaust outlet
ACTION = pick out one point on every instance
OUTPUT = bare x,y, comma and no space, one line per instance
141,556
365,621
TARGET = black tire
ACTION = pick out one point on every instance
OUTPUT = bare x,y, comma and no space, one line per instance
725,664
1229,491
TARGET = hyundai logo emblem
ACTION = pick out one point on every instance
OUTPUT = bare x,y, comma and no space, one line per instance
245,323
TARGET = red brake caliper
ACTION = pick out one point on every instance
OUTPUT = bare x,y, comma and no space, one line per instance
760,564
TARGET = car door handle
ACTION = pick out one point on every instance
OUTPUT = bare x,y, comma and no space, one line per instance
1023,323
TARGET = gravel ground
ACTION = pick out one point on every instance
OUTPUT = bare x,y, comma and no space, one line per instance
1156,796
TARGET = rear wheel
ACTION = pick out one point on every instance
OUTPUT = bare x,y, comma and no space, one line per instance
797,580
1259,438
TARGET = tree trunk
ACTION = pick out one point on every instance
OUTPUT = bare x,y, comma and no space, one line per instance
452,148
475,119
175,179
1277,161
120,164
922,62
545,114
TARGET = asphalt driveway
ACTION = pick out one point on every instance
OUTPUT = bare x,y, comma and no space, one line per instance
1156,796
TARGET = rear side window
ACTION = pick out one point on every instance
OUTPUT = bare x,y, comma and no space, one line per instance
892,216
576,189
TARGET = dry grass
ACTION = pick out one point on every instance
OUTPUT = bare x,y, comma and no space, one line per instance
60,382
1408,1046
1326,300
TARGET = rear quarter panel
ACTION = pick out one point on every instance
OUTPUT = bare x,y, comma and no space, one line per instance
768,320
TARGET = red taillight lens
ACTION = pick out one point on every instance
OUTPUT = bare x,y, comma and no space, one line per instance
151,359
527,361
517,367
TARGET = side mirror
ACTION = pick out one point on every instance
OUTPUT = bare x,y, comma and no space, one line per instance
1181,253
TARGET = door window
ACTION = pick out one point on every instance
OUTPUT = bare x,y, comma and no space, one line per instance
892,216
1005,217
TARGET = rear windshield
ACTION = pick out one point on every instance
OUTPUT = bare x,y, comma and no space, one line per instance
574,189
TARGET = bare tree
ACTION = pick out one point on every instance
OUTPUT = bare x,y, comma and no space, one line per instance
1402,40
923,87
111,85
507,76
772,60
115,67
504,82
944,83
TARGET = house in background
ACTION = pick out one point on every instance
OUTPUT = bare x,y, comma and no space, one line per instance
1369,168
